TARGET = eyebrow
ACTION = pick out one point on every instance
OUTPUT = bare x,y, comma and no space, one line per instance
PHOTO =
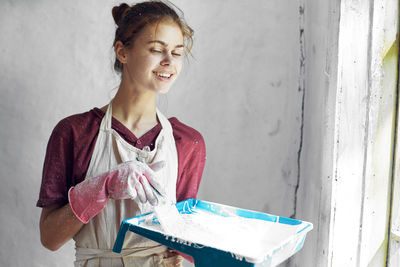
163,43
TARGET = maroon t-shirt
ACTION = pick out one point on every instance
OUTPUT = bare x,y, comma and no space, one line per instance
71,146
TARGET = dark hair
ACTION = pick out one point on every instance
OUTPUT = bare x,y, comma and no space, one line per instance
132,19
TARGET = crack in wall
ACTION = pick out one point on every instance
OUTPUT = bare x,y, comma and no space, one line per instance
301,88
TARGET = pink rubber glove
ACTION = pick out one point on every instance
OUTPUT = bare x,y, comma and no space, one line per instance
128,180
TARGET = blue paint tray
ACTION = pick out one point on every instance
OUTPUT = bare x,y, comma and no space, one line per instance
285,237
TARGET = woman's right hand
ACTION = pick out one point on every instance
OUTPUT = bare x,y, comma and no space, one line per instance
132,179
127,180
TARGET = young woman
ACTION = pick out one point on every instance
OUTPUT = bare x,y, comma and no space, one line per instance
99,164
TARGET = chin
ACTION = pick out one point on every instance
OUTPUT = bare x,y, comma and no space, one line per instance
162,92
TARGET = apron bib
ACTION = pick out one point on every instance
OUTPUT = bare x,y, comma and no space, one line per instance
95,240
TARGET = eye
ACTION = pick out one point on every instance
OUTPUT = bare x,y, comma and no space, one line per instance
155,51
177,53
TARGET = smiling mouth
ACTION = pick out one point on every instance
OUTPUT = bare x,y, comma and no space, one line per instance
163,75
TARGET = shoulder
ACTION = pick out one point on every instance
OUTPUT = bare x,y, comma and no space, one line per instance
188,140
185,133
78,124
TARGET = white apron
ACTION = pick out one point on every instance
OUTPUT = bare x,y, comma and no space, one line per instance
95,240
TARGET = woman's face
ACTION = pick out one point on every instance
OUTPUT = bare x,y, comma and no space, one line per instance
155,60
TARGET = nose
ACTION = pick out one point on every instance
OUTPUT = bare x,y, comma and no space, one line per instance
166,61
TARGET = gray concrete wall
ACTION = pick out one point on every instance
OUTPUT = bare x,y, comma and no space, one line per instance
241,92
245,83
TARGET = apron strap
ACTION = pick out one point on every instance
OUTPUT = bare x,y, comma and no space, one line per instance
164,121
106,122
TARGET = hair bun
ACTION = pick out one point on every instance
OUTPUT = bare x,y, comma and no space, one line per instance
119,12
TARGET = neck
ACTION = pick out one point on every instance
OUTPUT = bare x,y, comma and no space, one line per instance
134,108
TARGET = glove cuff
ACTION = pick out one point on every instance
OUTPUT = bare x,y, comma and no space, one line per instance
85,206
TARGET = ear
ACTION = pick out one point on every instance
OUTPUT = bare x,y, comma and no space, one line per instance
120,52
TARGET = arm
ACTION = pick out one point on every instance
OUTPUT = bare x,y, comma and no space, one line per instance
192,162
57,226
57,222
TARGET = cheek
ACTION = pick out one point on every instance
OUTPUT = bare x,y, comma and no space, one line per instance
179,66
143,63
150,64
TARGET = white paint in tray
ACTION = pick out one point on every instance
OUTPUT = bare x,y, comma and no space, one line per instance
252,239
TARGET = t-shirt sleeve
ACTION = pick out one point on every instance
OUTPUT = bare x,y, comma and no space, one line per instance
57,167
194,161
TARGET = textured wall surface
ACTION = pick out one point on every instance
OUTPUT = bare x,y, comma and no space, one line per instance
244,81
241,92
320,23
